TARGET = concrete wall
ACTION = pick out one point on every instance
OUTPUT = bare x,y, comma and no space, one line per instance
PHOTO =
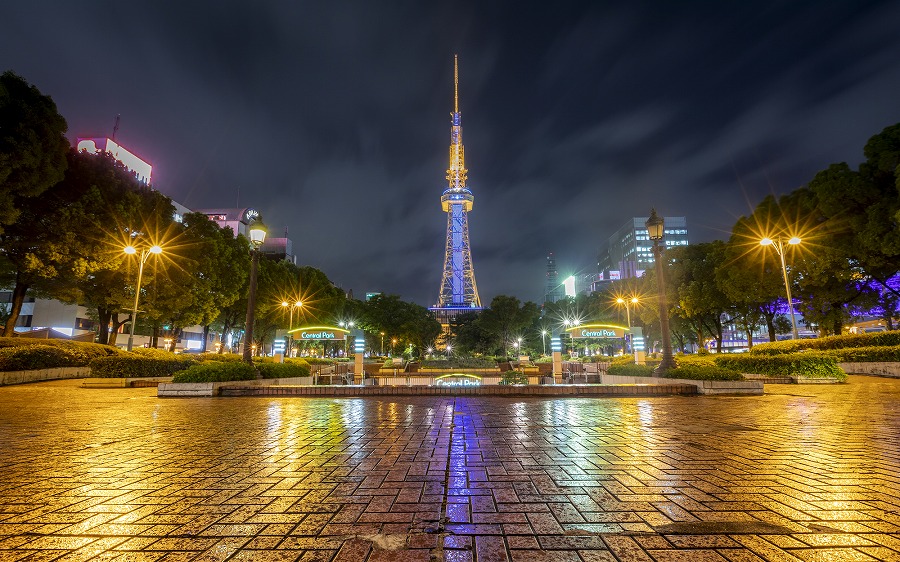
703,387
19,377
883,369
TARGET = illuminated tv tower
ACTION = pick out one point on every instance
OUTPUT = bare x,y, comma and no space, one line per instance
458,290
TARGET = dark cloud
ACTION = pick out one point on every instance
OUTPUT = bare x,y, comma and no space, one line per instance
333,119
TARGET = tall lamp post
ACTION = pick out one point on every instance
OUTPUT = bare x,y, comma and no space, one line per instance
544,340
382,344
656,229
257,232
145,255
286,304
778,244
626,302
349,326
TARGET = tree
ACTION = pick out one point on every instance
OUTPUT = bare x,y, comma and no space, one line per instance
506,319
110,209
33,145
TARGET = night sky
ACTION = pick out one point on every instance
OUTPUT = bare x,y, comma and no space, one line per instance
333,118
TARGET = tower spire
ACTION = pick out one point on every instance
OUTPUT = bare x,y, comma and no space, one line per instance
455,83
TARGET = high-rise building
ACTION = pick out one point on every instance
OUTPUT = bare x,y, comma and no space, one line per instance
458,291
553,288
629,251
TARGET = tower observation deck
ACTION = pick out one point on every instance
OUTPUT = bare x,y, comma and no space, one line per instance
458,290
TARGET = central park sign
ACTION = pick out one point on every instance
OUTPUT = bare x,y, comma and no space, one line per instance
319,333
586,331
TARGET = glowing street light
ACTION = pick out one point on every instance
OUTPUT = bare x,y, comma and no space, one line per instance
285,304
656,230
778,244
382,344
257,231
145,255
544,340
626,302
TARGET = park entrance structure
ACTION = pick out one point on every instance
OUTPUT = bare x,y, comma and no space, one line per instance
459,293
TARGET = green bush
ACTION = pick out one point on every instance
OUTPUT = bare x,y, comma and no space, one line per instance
876,339
221,357
865,354
702,372
630,370
216,371
706,359
283,370
319,361
459,363
20,354
513,377
808,364
622,360
139,365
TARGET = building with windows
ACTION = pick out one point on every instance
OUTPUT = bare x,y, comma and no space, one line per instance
629,252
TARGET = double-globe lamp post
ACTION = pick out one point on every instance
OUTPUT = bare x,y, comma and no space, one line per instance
286,304
626,302
145,255
656,230
257,232
778,244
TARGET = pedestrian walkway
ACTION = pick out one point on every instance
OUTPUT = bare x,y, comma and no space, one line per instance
800,473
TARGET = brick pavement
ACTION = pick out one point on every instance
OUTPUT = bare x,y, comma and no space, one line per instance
801,473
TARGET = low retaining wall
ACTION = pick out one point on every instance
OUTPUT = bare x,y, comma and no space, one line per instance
212,388
122,382
620,390
703,387
878,369
19,377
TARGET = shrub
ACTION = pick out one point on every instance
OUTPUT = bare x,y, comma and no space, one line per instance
630,370
703,372
459,363
285,370
866,354
707,359
877,339
513,377
19,354
216,371
319,361
809,364
29,357
622,360
221,357
139,365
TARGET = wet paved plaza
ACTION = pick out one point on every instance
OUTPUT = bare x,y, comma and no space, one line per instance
801,473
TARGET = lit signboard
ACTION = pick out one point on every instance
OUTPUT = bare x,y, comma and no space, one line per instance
614,276
597,331
458,379
140,168
319,333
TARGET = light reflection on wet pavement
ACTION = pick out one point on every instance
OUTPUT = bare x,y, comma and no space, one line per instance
805,472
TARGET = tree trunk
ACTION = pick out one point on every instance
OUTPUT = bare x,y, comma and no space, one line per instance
18,298
116,326
205,338
103,316
749,337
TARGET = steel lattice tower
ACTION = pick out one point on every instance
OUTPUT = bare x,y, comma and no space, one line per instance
458,290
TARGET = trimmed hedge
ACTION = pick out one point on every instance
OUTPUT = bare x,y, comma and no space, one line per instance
703,372
630,370
285,370
221,357
887,353
459,363
513,377
876,339
28,354
809,364
130,366
216,371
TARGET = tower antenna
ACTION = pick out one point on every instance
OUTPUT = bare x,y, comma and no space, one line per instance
116,126
455,83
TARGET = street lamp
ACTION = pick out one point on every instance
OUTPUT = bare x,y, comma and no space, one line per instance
544,340
382,344
449,349
257,231
349,326
626,302
145,255
655,229
393,345
286,304
778,244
